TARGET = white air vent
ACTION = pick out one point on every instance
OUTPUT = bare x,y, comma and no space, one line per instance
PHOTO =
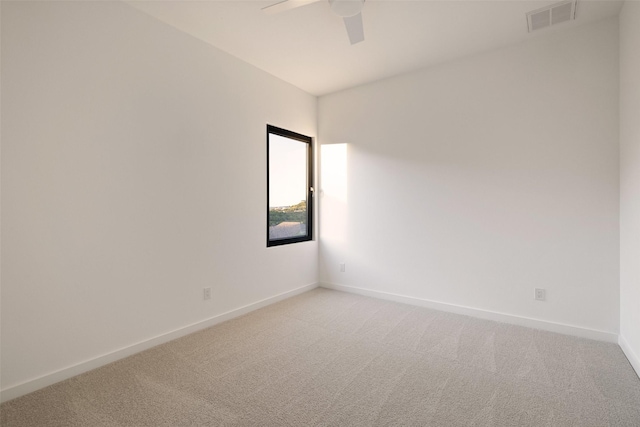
552,15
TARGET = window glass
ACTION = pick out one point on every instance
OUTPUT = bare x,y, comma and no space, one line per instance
289,187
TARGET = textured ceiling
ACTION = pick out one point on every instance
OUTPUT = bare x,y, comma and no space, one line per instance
308,46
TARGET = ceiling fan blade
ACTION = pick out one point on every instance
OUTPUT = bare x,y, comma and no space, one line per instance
354,28
286,5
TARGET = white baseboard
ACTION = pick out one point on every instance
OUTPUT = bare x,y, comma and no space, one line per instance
483,314
633,358
71,371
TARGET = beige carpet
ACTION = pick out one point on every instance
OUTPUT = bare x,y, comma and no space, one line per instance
327,358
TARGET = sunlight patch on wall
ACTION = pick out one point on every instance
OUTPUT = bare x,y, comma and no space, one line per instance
333,178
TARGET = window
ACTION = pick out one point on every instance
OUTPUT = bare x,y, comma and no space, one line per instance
289,187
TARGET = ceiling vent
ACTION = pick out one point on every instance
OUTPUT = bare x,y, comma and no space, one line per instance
552,15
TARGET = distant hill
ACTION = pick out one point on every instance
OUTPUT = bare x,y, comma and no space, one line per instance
295,213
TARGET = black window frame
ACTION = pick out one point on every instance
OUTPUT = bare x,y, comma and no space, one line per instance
274,130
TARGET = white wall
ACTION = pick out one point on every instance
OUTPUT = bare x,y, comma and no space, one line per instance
133,176
630,181
476,181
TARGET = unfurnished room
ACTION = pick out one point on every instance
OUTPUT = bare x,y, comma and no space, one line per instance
320,213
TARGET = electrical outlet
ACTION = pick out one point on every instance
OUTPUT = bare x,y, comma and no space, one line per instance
541,294
206,294
343,267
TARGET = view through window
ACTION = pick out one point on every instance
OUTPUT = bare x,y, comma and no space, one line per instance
289,188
